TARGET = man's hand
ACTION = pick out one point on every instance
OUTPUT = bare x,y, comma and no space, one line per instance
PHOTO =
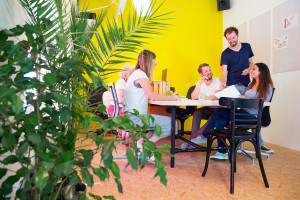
222,87
203,79
245,72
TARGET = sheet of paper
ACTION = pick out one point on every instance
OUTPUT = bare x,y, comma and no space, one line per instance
230,91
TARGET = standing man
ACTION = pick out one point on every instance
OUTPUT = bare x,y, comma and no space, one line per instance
236,61
205,88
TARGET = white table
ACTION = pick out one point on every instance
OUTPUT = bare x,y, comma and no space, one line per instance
174,104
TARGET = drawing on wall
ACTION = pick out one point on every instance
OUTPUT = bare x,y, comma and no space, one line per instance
290,21
281,42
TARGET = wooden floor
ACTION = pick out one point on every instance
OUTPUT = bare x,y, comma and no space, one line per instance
185,181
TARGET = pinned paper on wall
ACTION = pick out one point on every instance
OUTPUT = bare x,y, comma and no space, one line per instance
290,21
281,42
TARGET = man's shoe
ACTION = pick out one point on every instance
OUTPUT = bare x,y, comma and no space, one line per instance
199,140
266,149
220,156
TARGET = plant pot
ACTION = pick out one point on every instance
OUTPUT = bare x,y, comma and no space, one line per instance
80,189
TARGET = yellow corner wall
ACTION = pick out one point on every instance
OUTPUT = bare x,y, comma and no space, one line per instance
195,37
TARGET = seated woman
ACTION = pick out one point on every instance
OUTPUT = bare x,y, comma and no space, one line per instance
260,87
137,92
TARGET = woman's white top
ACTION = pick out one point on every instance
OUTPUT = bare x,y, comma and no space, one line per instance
134,95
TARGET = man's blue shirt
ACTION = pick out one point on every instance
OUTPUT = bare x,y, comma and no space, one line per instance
236,62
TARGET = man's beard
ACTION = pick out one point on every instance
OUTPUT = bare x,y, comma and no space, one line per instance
233,44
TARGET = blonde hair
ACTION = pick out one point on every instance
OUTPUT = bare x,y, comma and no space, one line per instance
126,70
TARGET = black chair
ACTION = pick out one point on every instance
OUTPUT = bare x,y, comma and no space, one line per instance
184,113
265,122
238,133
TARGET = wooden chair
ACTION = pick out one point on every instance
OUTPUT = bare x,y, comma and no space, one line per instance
265,122
238,133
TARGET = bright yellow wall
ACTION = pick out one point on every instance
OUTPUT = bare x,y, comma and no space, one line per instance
194,37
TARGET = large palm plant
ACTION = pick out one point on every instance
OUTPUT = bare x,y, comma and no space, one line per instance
40,131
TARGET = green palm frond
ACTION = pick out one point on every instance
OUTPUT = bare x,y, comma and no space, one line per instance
114,42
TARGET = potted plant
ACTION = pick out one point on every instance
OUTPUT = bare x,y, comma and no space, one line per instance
41,116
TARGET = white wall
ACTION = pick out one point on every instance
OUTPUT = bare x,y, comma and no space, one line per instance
285,109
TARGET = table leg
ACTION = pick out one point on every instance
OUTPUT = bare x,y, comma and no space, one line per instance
173,129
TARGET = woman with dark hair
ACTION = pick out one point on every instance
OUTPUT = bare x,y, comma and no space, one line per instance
260,87
137,92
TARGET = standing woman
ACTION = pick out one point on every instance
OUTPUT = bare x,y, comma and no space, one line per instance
260,87
137,92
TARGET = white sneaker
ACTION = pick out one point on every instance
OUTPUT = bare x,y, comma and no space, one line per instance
184,145
199,140
220,156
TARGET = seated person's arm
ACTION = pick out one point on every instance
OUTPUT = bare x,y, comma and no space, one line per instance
144,83
211,97
120,94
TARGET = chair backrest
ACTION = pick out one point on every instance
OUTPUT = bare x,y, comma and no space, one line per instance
190,109
243,119
115,99
266,117
190,91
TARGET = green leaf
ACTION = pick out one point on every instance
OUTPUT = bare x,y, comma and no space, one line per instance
23,148
11,180
7,92
86,122
115,170
119,185
157,130
87,177
34,138
32,29
50,79
10,160
31,119
102,173
95,196
65,114
68,167
41,179
131,158
161,173
30,38
5,189
2,172
165,146
61,99
21,172
107,149
88,157
109,197
68,155
8,141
